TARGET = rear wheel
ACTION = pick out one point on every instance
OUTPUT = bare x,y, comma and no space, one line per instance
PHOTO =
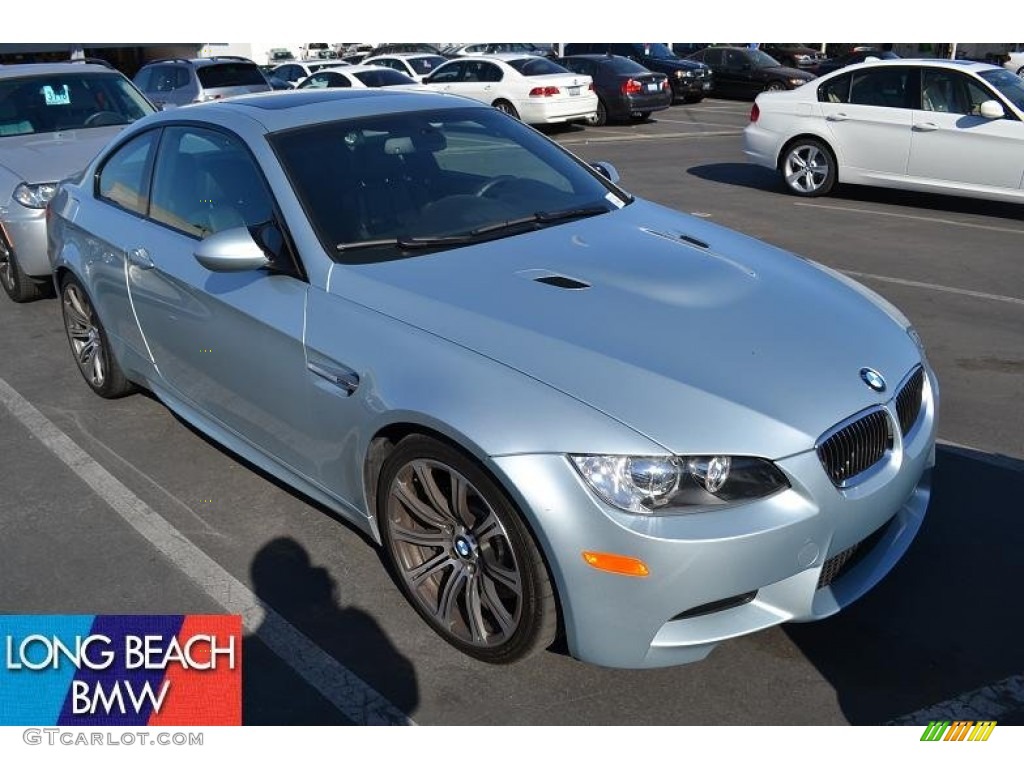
89,344
461,553
17,285
808,168
600,116
506,106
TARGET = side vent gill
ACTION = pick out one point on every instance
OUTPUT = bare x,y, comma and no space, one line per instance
561,281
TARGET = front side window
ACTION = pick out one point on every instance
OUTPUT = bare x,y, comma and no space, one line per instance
68,101
396,186
881,87
835,91
326,80
944,90
450,73
205,182
124,177
424,65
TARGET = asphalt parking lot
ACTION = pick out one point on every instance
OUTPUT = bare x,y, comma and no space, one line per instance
137,513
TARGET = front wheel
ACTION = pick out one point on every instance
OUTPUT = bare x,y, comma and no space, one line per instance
461,553
809,168
775,85
89,343
17,285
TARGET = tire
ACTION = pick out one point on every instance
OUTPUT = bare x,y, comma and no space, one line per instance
775,85
642,117
600,117
506,106
1020,72
461,553
89,344
17,285
808,168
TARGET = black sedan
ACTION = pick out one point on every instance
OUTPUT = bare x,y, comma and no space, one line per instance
854,57
744,73
794,54
625,90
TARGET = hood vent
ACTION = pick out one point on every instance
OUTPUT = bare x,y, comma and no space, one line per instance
694,241
561,281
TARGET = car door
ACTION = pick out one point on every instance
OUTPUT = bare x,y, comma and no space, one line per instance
446,76
725,83
473,81
952,142
226,344
870,129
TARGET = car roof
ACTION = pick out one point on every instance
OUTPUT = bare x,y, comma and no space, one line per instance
350,69
55,68
504,56
957,64
405,56
282,110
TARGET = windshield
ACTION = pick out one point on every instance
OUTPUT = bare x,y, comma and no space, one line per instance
536,66
395,186
760,60
230,75
1008,84
68,101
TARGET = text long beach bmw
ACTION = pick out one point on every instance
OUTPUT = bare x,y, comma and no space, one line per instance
556,406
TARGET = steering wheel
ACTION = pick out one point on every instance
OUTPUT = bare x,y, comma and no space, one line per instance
490,184
103,117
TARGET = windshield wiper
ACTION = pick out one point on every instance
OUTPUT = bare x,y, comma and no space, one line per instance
475,235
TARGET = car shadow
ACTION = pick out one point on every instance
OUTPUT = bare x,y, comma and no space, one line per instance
306,597
761,178
947,619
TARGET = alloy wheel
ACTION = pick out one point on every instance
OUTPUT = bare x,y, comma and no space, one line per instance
84,335
807,169
453,554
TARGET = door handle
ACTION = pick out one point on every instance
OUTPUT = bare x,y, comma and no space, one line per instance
344,378
837,117
139,257
925,127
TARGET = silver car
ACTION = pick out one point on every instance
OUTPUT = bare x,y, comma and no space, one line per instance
53,119
556,406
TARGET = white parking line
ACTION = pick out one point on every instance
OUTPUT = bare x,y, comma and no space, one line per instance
988,703
929,219
652,136
344,689
698,122
934,287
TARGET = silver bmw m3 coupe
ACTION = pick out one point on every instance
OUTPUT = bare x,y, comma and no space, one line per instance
557,407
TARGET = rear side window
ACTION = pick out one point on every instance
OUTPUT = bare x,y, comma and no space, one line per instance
230,74
836,90
124,178
882,87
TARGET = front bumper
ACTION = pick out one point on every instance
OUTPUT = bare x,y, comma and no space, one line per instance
25,230
776,547
688,87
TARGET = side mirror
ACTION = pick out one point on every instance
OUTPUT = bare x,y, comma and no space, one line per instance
232,250
607,170
992,110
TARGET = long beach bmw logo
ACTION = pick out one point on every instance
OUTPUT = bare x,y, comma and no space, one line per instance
873,379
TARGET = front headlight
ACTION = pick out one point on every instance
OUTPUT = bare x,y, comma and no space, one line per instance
35,195
683,73
796,81
651,484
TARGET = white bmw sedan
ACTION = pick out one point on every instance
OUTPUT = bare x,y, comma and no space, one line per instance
928,125
532,88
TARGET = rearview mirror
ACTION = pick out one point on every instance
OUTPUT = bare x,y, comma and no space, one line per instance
232,250
992,110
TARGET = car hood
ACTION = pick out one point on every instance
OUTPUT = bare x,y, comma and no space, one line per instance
44,157
677,63
734,348
788,72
